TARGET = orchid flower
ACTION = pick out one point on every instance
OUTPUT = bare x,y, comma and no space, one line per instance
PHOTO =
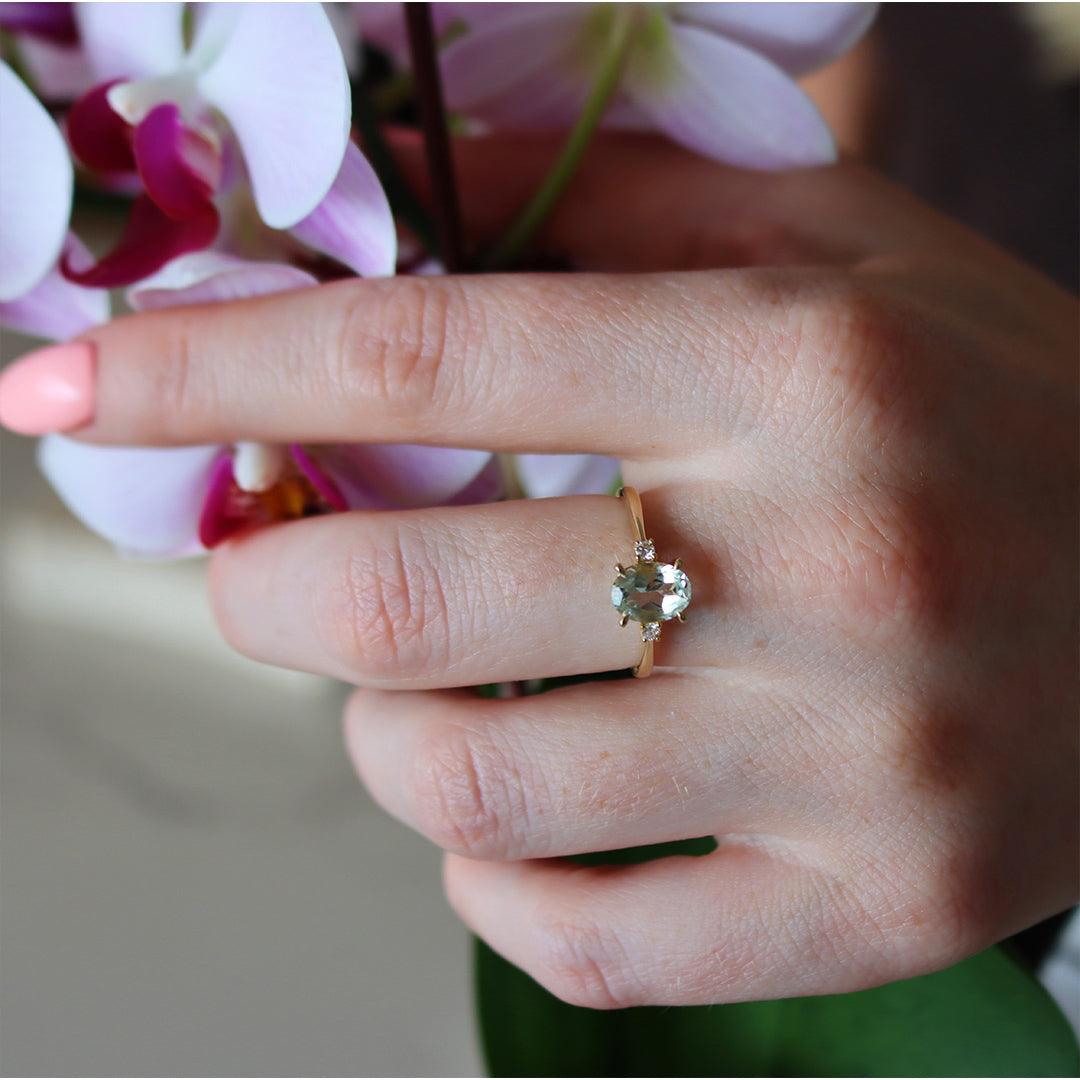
165,503
717,78
46,39
35,204
240,140
543,476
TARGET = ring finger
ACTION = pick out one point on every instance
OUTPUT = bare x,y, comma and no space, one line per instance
450,597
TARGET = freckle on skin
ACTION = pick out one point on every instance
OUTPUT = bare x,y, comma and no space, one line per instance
760,643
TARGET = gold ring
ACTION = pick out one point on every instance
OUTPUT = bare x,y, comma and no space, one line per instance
650,592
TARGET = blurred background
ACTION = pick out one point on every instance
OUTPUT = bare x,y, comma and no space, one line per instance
192,880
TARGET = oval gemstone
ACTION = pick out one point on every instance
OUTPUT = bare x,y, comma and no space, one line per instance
651,592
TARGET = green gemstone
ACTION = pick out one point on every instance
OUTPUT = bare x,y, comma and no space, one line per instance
651,592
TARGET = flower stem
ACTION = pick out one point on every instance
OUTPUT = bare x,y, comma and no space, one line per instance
429,100
508,250
403,201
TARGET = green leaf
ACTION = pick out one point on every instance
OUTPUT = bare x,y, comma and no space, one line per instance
984,1017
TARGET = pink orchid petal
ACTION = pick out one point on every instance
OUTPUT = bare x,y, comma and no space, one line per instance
145,500
212,276
150,240
55,308
99,137
179,167
217,519
797,37
353,224
131,41
58,73
318,478
521,70
45,22
227,510
729,103
545,475
36,183
375,477
294,128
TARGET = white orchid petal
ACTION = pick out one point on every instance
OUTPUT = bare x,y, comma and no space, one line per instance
36,183
543,476
797,37
56,72
728,102
280,81
211,276
131,41
57,309
379,477
526,69
353,224
213,26
147,501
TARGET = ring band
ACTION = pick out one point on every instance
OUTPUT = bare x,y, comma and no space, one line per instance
650,592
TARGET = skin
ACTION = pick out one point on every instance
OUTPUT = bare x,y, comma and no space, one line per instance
857,424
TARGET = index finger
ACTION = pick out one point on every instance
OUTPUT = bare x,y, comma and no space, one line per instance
606,364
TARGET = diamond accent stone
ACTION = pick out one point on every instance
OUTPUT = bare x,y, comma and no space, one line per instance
645,550
651,592
650,631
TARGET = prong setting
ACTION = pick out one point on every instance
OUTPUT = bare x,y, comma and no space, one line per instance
650,592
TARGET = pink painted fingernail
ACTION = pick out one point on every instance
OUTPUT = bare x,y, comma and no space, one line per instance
49,390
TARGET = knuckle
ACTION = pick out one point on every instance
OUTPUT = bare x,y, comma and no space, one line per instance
885,567
928,894
932,911
859,379
874,560
394,347
388,618
585,964
467,795
848,319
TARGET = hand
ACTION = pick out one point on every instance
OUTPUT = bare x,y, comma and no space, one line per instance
861,439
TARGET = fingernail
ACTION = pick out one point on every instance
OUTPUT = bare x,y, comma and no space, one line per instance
49,390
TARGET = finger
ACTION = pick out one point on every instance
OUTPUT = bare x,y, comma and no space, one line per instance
740,924
524,362
446,597
590,767
639,202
